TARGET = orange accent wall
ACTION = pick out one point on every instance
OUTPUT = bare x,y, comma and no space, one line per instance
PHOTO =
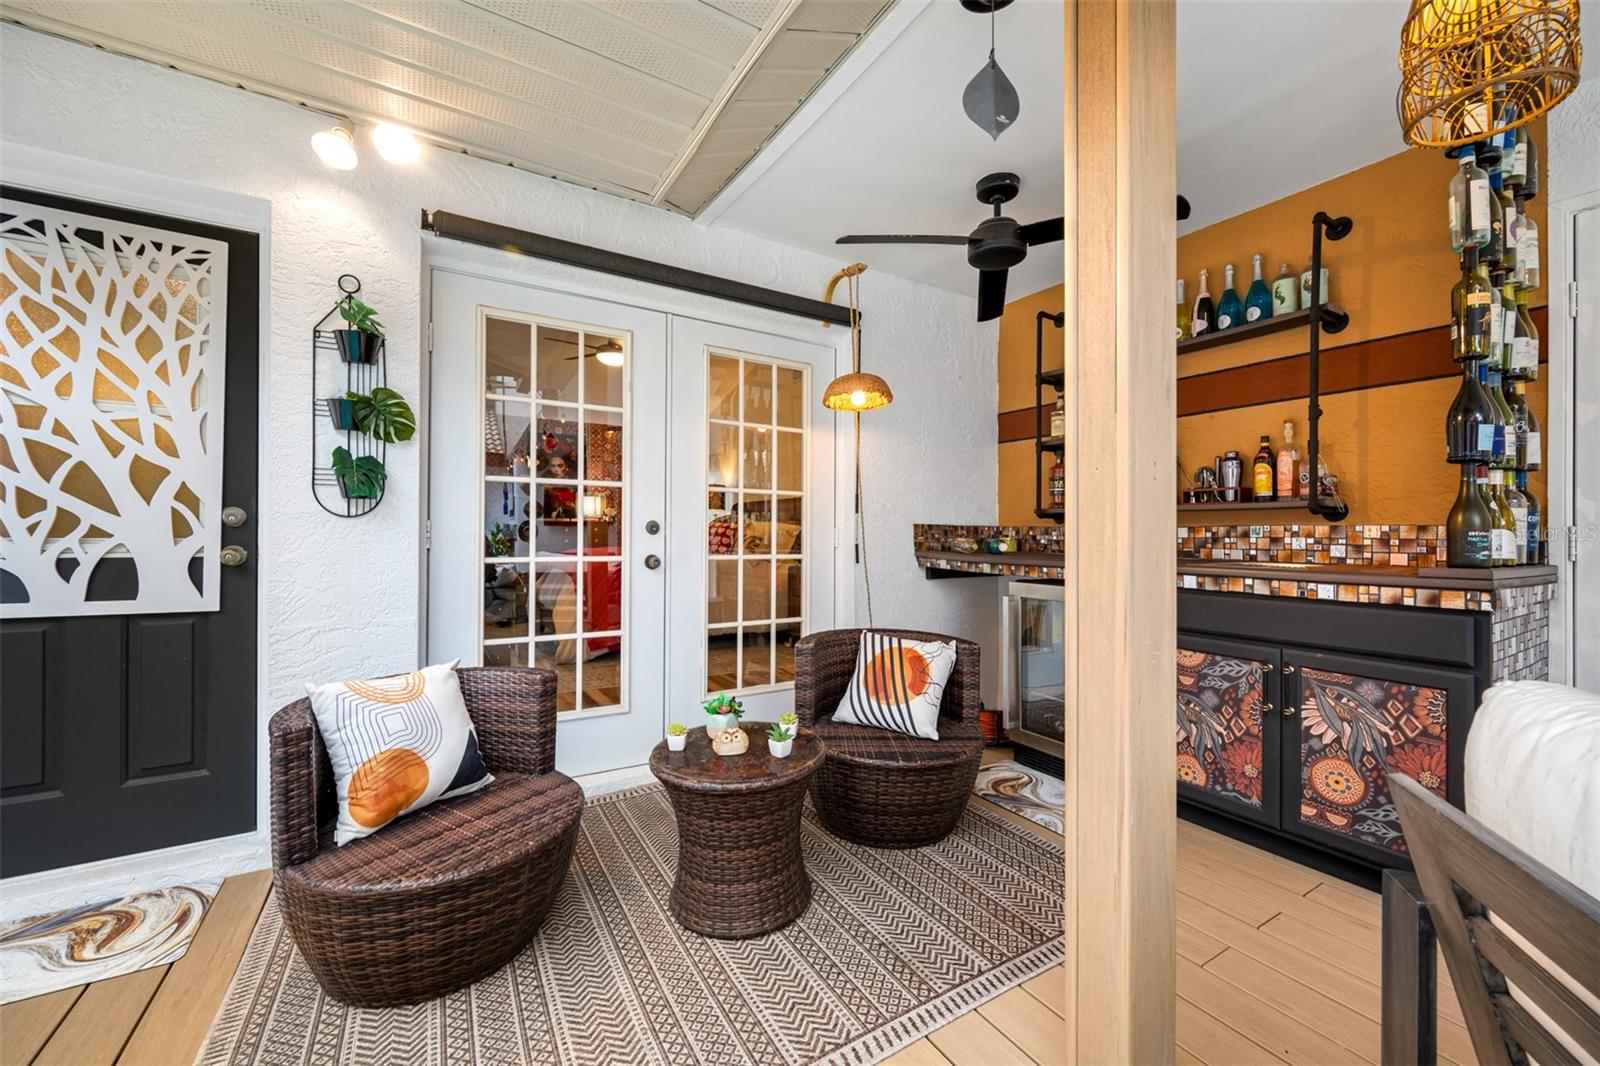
1392,274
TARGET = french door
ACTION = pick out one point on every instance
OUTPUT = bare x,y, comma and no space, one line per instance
641,503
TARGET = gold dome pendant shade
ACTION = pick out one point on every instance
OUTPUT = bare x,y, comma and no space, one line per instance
1470,69
857,392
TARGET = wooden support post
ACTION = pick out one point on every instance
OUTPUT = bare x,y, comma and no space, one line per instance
1121,825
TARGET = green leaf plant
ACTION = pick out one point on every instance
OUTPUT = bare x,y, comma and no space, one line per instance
722,703
780,732
359,315
383,415
363,476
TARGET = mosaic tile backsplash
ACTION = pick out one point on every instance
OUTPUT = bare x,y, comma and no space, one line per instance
1326,544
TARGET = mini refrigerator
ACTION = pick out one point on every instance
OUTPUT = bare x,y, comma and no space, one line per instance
1033,632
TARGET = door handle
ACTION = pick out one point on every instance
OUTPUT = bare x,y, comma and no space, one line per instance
233,555
652,562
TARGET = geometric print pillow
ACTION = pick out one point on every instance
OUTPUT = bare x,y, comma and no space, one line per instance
898,684
396,745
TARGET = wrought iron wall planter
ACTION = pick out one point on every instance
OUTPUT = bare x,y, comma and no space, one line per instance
332,420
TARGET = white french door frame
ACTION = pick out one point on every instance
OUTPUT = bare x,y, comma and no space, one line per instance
1572,490
561,281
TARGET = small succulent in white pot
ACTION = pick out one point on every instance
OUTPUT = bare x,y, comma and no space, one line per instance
677,736
722,712
780,741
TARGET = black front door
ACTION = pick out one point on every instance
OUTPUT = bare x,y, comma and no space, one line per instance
128,717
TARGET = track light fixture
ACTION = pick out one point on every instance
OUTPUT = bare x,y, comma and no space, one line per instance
336,146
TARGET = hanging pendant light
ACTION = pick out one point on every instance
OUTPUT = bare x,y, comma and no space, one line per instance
1470,69
990,100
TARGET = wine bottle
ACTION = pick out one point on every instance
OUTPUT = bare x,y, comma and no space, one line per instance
1527,246
1264,470
1519,158
1505,437
1519,516
1468,541
1526,361
1230,312
1288,465
1469,427
1535,519
1530,184
1532,456
1469,203
1499,353
1494,249
1518,437
1495,435
1285,294
1471,302
1183,314
1258,301
1205,313
1307,297
1502,528
1512,232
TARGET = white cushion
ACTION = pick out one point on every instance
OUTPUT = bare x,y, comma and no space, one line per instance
898,684
396,745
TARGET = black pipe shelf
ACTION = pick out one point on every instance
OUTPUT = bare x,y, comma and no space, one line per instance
1334,320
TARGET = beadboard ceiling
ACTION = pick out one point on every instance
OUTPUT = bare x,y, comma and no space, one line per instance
659,102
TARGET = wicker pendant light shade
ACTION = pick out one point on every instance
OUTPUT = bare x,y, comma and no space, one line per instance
1472,68
857,392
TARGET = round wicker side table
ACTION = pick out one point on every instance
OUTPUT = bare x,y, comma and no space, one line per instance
740,872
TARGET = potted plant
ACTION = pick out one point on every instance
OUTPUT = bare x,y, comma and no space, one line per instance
780,741
343,413
500,541
382,415
722,712
790,719
359,343
360,477
677,736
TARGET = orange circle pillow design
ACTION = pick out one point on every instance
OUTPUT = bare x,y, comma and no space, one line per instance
889,668
385,785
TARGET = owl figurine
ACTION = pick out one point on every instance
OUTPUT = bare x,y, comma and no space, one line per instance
730,741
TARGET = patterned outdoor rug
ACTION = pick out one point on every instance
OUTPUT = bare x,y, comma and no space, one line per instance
894,944
1037,797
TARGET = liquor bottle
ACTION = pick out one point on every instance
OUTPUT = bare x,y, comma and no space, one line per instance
1494,249
1306,298
1205,313
1519,516
1527,359
1535,519
1264,470
1471,300
1469,203
1527,245
1468,541
1258,301
1505,436
1285,294
1288,464
1058,419
1532,457
1058,485
1469,427
1183,314
1230,311
1503,528
1322,476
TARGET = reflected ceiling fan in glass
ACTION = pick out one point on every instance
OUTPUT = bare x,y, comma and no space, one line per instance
990,100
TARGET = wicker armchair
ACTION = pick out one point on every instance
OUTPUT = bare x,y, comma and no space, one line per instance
877,787
439,898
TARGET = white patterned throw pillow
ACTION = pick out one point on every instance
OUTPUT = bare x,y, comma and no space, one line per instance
396,745
898,684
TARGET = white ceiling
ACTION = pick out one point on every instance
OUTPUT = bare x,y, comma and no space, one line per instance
1273,97
653,101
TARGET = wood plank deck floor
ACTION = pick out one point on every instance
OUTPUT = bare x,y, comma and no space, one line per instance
1276,964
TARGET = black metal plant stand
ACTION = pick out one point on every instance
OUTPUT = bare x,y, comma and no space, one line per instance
1055,379
326,433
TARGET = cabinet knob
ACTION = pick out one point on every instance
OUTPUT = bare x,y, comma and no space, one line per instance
1288,710
1266,708
1288,668
1267,668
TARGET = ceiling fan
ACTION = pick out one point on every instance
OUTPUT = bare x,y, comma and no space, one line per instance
998,244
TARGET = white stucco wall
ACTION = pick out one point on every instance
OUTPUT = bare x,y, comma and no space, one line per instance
1572,148
341,597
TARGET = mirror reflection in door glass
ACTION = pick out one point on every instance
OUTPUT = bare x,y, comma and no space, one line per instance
722,591
505,519
722,660
601,508
602,672
723,388
757,468
505,654
755,656
560,656
789,589
791,397
787,531
722,463
506,443
790,448
787,634
557,370
505,601
757,393
506,349
604,361
555,599
756,511
602,446
757,592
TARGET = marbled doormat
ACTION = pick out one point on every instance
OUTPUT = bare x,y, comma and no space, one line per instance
1037,797
893,945
82,944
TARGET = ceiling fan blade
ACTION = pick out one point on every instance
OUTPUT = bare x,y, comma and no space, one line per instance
991,294
899,238
1183,208
1043,232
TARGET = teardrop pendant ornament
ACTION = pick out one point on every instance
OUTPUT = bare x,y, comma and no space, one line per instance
990,100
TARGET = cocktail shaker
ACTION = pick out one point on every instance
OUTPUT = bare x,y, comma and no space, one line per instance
1229,474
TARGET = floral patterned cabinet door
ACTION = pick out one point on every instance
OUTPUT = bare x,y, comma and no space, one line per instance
1359,721
1227,726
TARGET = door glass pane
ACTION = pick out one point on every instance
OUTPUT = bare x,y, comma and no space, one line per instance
506,368
754,573
1042,664
558,365
554,575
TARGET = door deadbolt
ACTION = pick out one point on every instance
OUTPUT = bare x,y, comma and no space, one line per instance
233,555
234,516
652,527
652,562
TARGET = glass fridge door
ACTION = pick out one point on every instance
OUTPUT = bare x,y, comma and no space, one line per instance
1037,649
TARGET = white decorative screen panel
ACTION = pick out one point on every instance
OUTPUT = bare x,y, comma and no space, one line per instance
112,351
